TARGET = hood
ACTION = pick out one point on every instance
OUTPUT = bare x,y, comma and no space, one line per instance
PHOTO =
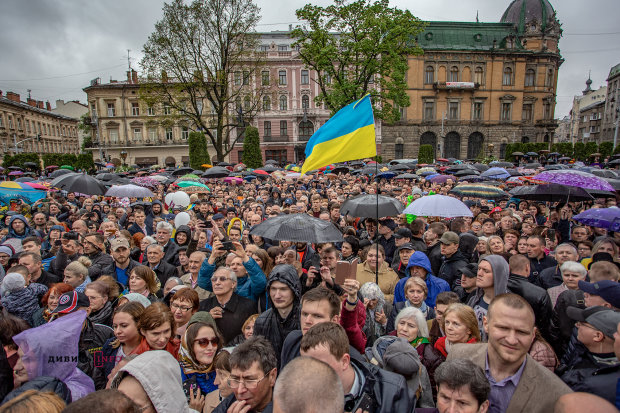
500,273
185,229
286,274
12,233
164,388
467,244
419,259
45,384
157,202
232,222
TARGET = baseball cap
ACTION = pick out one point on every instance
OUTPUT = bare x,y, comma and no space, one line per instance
601,256
218,216
602,318
496,209
388,223
71,301
406,246
606,289
470,270
403,233
449,237
119,242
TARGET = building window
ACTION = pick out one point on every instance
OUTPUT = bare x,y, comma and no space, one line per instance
549,79
429,75
19,124
113,136
546,110
507,79
305,102
11,122
454,74
27,125
283,128
137,134
506,111
169,135
246,77
135,109
247,104
282,77
264,48
478,111
111,110
237,78
265,78
167,108
266,103
2,121
305,77
306,129
429,110
150,110
328,78
530,77
479,75
399,151
278,155
153,134
527,112
283,48
184,132
453,110
283,104
267,129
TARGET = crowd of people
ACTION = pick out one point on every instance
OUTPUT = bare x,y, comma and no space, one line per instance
108,305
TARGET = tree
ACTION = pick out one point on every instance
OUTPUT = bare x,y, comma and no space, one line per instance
198,151
425,154
252,156
359,48
200,62
86,127
19,160
580,151
606,148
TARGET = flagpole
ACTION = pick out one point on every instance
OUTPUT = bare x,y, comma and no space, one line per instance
377,231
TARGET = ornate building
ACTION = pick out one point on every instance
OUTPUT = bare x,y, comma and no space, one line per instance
479,86
611,117
31,126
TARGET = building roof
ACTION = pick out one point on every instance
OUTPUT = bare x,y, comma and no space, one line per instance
615,71
467,36
28,107
522,12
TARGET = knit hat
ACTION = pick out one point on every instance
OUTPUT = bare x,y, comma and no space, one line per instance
13,282
6,249
138,298
201,317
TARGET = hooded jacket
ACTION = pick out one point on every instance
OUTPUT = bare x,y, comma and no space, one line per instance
500,286
187,231
24,302
467,245
270,324
151,217
450,270
27,230
43,384
435,284
164,388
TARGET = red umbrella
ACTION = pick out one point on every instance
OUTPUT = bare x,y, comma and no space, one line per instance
442,160
260,172
51,167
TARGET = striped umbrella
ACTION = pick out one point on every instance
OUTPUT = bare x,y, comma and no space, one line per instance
479,191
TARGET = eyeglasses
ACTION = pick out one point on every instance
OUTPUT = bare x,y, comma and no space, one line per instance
250,384
203,342
183,308
220,279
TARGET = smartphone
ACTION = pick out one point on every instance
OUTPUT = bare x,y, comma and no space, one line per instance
365,403
208,224
346,271
228,246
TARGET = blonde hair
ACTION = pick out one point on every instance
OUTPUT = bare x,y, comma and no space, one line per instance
416,281
466,315
80,267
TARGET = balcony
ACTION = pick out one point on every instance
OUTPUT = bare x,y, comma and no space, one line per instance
303,138
456,86
275,138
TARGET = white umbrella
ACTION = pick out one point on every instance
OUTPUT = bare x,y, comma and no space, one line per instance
159,178
130,191
438,206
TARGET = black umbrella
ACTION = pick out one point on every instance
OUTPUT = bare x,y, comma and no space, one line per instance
106,176
341,169
514,172
182,171
601,194
565,158
24,179
532,165
614,182
224,164
466,172
604,173
60,172
216,172
271,162
30,165
15,168
554,154
372,206
297,228
615,162
84,184
532,154
483,167
550,192
407,176
500,164
400,167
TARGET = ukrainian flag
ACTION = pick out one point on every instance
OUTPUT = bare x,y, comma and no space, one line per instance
346,136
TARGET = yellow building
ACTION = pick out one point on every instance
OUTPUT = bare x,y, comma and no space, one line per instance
479,86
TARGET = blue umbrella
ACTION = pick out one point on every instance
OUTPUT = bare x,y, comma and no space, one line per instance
249,177
496,173
608,218
386,175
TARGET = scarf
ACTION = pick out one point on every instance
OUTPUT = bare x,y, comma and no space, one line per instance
188,363
419,340
423,308
444,346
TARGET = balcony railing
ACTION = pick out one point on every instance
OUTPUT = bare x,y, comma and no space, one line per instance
275,138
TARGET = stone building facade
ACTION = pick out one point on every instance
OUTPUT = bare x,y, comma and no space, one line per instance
73,109
479,86
31,126
611,116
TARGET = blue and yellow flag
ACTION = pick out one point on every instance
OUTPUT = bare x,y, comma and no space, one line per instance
346,136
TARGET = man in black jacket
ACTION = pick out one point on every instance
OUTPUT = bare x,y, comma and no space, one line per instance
433,246
387,392
537,297
552,276
163,234
32,261
538,259
155,257
228,309
69,252
454,260
94,249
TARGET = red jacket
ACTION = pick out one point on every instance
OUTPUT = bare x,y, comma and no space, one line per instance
352,322
440,344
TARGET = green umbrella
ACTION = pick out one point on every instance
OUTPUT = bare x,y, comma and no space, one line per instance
190,176
67,167
185,184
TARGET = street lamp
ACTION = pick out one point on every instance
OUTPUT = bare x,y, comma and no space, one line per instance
123,155
491,146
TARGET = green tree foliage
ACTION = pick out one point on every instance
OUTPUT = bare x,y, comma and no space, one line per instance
425,154
617,150
86,127
564,148
606,149
85,161
579,151
197,61
252,156
19,160
591,147
198,151
369,54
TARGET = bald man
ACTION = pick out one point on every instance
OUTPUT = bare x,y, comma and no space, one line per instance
583,402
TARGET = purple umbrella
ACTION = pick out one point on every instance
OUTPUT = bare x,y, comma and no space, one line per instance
442,179
572,177
608,218
15,173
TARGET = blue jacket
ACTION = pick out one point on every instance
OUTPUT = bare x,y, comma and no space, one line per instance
250,286
435,285
27,230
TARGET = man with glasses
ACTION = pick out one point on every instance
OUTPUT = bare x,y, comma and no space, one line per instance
94,249
228,308
252,377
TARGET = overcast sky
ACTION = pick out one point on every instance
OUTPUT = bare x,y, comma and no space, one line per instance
55,47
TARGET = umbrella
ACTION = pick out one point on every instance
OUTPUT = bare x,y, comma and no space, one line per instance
107,176
472,178
502,164
565,158
466,172
532,154
216,172
224,164
233,180
182,171
249,177
187,184
15,168
30,165
443,160
145,182
426,171
36,185
400,167
608,218
496,173
613,182
442,179
517,154
271,161
438,206
386,175
407,176
14,185
81,183
69,167
15,173
550,192
24,179
615,162
269,168
572,177
341,169
479,191
371,206
297,228
604,173
51,167
130,191
59,172
532,165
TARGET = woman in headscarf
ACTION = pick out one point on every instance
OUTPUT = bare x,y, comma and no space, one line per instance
376,312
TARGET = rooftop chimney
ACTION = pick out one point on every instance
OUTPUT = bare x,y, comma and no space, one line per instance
31,102
128,76
0,93
40,104
13,96
48,106
134,76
